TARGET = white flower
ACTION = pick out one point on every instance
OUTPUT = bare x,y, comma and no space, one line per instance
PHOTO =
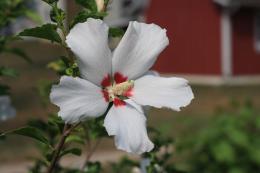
121,77
7,111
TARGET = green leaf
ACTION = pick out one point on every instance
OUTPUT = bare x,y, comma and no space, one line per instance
29,132
4,71
47,31
84,15
93,167
56,121
75,139
89,4
116,32
74,151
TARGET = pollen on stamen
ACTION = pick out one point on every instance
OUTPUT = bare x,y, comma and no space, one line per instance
119,78
118,102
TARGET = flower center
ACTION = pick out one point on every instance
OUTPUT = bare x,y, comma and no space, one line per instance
118,89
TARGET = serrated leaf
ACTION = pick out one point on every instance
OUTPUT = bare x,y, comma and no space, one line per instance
74,151
84,15
47,31
31,132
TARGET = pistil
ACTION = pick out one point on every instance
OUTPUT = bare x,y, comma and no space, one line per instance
118,91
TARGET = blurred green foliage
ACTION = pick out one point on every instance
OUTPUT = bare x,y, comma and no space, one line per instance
159,160
10,11
229,144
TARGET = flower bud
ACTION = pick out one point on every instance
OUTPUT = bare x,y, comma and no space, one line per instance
100,5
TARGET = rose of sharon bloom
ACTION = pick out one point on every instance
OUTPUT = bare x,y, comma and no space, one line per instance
120,77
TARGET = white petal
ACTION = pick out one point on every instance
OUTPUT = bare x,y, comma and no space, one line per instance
78,99
147,108
89,41
138,49
128,125
161,92
153,73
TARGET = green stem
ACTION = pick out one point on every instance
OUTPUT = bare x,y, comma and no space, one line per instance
58,148
56,154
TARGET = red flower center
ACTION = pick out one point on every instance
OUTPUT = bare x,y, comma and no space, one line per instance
118,89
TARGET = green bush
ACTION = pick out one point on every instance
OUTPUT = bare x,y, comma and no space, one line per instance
230,144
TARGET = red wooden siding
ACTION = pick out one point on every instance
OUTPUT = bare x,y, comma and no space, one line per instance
194,31
245,59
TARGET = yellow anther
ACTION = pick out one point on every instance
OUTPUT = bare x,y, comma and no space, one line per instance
119,89
122,88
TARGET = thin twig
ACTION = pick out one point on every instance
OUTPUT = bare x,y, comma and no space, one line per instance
91,152
56,154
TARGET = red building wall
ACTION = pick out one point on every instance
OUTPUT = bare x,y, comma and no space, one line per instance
194,31
245,58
